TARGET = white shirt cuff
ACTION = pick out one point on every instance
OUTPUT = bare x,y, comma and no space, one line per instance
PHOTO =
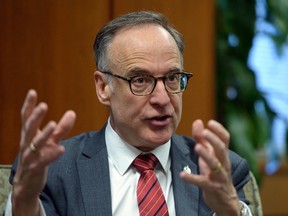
248,212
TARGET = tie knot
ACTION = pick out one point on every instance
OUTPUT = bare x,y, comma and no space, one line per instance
145,162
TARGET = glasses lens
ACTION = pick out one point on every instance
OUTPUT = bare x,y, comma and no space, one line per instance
183,82
144,84
176,83
141,85
172,82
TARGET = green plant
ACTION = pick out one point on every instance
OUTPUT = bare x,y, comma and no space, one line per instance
238,99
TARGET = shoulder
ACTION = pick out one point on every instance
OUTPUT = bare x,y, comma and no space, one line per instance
84,142
239,167
79,140
77,148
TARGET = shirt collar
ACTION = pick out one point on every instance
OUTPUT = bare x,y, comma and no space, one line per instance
122,154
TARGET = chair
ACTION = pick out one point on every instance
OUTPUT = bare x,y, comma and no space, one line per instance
5,186
251,191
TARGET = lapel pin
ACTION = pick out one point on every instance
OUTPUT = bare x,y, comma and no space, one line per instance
187,169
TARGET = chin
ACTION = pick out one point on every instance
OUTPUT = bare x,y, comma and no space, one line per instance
150,146
159,138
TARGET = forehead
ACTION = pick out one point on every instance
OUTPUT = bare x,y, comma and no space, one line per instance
143,46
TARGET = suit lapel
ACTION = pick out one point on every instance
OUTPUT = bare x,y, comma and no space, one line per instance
186,196
94,177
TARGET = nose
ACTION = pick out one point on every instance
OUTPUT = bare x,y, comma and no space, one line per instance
160,95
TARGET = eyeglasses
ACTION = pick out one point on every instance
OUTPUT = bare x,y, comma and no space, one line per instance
142,85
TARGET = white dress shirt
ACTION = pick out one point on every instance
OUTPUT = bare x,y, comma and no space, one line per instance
124,176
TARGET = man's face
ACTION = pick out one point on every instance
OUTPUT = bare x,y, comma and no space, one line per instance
144,121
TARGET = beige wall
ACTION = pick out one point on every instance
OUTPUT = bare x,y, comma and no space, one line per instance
47,45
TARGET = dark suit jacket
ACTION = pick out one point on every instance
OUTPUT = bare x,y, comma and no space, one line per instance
79,183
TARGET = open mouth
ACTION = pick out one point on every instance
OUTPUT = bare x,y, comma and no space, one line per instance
160,120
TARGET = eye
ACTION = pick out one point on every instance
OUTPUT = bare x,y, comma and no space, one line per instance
172,78
141,80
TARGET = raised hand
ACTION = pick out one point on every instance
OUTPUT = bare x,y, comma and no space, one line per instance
215,168
38,148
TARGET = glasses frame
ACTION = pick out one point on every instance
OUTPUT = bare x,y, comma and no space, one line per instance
163,78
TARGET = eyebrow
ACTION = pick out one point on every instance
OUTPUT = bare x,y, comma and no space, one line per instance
137,70
141,71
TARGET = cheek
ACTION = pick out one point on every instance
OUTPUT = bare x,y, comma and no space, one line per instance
126,108
177,104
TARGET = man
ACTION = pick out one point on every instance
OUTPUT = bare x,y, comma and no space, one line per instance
140,78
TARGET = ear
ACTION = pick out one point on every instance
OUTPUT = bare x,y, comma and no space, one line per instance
103,90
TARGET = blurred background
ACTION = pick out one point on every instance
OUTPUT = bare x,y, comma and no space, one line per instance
237,51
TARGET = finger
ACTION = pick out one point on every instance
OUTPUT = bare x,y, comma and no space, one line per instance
33,122
38,142
43,136
219,148
192,179
221,132
46,150
46,156
64,126
28,105
211,161
197,134
199,180
197,128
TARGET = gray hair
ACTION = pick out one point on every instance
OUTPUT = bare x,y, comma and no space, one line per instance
106,34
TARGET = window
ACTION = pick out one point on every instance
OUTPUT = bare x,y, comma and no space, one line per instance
271,70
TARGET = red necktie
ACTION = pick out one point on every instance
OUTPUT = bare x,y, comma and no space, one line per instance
151,200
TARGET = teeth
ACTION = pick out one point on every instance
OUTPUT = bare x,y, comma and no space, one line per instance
161,118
